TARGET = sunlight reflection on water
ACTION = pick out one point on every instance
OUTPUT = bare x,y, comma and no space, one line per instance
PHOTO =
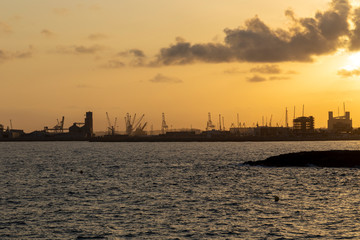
87,190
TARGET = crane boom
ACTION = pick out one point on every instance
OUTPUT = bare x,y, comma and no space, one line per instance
144,126
133,121
108,120
138,122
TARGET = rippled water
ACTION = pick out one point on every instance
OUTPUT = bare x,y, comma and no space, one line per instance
82,190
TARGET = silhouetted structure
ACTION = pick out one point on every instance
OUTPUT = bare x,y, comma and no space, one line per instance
134,128
164,126
83,129
271,131
11,133
58,128
241,131
340,124
303,125
209,125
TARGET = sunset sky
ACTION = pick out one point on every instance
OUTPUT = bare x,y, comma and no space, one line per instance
184,58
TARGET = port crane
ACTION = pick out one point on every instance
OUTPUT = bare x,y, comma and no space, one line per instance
58,128
209,124
164,126
111,128
134,127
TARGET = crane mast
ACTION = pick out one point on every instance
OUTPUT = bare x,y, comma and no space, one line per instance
164,126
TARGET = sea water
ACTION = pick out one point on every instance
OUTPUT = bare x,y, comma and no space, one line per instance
83,190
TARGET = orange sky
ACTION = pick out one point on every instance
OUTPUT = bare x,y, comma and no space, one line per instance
184,58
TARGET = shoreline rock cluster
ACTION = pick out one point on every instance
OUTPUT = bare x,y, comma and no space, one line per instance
332,158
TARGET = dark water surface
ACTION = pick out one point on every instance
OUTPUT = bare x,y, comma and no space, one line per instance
82,190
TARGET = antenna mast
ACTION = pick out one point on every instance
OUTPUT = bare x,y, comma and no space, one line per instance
238,123
223,123
220,122
303,110
294,112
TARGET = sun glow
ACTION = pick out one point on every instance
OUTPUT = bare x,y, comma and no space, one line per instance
353,62
355,3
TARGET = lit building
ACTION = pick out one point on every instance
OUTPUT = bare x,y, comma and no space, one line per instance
303,125
340,123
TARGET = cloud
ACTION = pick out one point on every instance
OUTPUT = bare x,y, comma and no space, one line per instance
349,73
355,33
266,69
3,56
94,7
24,54
114,64
5,28
255,41
159,78
136,56
291,72
279,78
6,55
47,33
256,78
79,49
97,36
132,52
137,53
233,71
61,11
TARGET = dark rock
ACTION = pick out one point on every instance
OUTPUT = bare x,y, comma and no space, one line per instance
333,158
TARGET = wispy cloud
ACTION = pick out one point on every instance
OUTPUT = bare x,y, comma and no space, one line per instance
114,64
136,57
256,78
292,72
132,52
61,11
7,55
234,71
349,73
279,78
5,28
93,7
47,33
79,49
266,69
159,78
97,36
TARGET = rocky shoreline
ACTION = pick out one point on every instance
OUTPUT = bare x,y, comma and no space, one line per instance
333,158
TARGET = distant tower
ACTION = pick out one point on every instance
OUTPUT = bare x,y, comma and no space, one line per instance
89,124
164,126
286,118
